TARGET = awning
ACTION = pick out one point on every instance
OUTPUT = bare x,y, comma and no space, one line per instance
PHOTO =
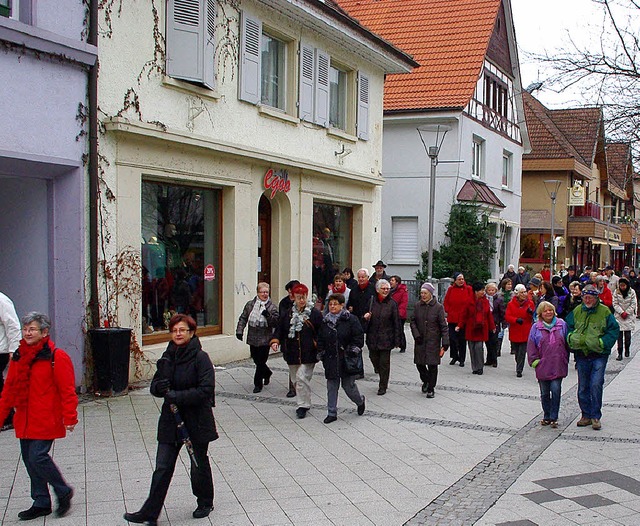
612,244
479,192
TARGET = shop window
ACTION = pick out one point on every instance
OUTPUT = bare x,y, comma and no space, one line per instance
331,244
180,256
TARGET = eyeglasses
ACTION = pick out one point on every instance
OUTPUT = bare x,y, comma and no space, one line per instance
29,330
385,288
180,331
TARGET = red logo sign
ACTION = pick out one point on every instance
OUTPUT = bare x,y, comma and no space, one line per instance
277,181
209,273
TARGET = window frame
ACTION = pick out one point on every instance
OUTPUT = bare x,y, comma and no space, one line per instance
507,178
477,157
283,70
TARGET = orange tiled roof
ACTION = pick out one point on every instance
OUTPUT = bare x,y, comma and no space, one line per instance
449,39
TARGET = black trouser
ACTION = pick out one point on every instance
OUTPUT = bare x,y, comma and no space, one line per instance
260,355
403,337
201,478
520,350
457,343
428,375
492,348
626,336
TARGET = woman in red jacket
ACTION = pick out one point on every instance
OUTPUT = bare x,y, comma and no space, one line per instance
477,322
41,387
400,295
458,297
519,316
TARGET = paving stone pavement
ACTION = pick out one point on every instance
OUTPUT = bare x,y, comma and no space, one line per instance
475,454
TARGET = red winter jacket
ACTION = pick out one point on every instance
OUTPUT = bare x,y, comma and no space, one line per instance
52,402
477,321
456,301
519,333
606,298
401,297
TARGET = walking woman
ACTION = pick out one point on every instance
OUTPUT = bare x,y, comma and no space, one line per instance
519,316
456,300
339,332
431,334
505,294
297,334
400,295
625,308
262,317
383,332
477,323
548,354
185,378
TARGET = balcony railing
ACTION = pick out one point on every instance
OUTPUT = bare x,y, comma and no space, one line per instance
590,209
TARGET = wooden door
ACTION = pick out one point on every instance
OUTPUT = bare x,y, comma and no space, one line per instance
264,240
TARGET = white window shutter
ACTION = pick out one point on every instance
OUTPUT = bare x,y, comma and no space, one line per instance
250,58
307,77
209,53
321,113
363,107
405,238
185,37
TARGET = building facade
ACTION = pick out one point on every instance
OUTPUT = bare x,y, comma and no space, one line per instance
44,74
239,145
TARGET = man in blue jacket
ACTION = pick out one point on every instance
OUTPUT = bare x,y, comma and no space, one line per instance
591,333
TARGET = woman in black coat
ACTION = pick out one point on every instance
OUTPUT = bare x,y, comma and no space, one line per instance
383,332
340,331
297,334
185,378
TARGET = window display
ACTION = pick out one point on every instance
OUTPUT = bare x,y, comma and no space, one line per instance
180,255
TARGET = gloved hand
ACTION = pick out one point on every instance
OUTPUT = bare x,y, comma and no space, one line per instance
519,321
171,396
530,311
624,315
419,340
239,336
163,386
535,363
265,313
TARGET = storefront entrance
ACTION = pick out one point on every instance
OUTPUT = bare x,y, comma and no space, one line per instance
264,240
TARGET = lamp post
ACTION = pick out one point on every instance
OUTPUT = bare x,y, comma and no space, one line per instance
552,186
608,262
432,153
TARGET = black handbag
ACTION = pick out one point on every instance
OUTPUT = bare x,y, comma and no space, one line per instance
353,363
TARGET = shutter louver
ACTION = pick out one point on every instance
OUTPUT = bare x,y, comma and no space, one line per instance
405,239
305,108
250,62
321,113
363,107
185,40
209,78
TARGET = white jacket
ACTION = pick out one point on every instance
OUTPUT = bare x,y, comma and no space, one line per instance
628,305
9,326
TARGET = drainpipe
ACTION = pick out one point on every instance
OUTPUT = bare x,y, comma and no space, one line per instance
93,168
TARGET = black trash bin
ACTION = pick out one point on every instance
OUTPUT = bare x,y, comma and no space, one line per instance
110,351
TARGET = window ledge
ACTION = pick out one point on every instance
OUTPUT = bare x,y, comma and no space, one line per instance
187,87
277,114
507,189
341,134
404,262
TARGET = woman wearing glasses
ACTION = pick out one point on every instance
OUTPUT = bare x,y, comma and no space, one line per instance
185,378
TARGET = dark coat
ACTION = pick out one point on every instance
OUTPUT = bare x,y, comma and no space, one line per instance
302,348
384,327
570,303
360,301
333,341
429,325
258,336
192,377
499,310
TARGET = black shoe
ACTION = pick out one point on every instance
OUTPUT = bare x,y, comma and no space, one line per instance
330,419
619,358
361,408
402,350
266,382
494,364
64,504
291,393
257,389
382,390
430,394
453,361
202,511
480,371
33,513
626,353
461,364
425,387
139,518
301,412
519,375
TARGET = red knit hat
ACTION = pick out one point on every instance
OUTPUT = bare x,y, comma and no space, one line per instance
300,288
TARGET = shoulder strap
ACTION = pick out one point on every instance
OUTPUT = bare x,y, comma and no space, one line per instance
53,358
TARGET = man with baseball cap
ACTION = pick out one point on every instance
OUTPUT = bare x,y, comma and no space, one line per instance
592,330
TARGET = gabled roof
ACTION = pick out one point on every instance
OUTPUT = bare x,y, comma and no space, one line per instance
449,38
619,164
478,192
560,134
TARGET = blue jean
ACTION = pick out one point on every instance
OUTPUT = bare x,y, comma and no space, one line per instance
590,384
42,471
550,392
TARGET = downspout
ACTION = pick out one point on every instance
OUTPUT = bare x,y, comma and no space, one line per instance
93,168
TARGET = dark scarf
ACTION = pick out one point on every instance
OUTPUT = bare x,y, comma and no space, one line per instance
16,389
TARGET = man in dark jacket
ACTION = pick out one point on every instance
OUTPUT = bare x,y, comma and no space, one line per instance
379,273
510,274
361,297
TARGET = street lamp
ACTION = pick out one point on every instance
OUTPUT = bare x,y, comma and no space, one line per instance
552,186
608,262
432,152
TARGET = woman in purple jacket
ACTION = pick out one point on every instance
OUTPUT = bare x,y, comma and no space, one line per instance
548,354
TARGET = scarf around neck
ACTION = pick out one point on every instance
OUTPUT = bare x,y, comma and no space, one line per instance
338,290
298,318
332,319
256,319
16,388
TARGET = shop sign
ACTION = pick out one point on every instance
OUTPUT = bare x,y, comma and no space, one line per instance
577,195
276,182
209,273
